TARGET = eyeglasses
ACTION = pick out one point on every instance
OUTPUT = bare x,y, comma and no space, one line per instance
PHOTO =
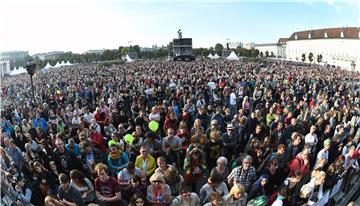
156,181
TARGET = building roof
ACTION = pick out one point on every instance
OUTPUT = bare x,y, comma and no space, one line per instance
344,32
282,41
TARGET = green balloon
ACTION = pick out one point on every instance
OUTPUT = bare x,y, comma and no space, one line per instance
153,126
111,142
129,138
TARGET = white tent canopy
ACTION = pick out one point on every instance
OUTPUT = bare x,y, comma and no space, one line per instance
210,56
216,56
62,64
57,65
48,66
232,56
128,59
21,70
68,63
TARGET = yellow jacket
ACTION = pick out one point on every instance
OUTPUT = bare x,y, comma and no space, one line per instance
150,162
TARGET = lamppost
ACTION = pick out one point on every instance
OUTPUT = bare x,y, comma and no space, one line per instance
30,68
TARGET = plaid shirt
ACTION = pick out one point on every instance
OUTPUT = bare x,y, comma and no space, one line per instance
245,178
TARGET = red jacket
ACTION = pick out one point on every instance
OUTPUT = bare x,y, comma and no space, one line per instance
298,164
98,141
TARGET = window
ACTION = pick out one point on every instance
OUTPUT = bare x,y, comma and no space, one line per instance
342,34
326,36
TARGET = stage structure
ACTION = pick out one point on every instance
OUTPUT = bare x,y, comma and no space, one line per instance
182,48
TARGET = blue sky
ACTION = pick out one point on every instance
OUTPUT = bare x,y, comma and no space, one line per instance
80,25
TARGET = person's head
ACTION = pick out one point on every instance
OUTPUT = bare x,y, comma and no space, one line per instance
115,148
214,123
144,152
185,192
221,162
157,180
214,181
161,162
20,181
247,161
51,201
305,153
77,176
305,191
281,149
130,166
102,171
38,167
312,129
296,138
327,144
214,135
137,200
237,191
64,181
135,181
216,199
320,178
170,132
60,145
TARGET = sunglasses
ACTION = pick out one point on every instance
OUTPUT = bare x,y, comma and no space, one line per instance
157,181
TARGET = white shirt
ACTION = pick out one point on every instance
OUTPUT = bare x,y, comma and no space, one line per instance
311,139
232,98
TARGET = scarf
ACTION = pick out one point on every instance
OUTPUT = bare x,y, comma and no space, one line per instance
115,155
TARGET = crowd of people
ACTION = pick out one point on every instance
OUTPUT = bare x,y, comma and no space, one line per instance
228,133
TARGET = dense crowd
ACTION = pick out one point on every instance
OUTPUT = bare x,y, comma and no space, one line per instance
227,133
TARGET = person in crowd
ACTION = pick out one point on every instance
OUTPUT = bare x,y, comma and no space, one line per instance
300,163
83,185
117,159
221,169
145,161
244,174
158,192
215,200
236,196
138,200
171,175
186,197
68,193
194,167
107,189
125,175
214,184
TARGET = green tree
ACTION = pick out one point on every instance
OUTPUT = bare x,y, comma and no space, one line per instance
124,51
255,52
303,57
319,58
219,48
311,57
136,49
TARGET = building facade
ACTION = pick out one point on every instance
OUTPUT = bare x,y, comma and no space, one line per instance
334,46
4,66
277,50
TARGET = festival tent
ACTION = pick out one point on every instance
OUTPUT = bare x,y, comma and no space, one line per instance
68,63
48,66
21,70
62,64
210,56
57,65
128,59
232,56
216,56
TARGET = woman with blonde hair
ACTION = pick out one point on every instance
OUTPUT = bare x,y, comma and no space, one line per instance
51,201
236,196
